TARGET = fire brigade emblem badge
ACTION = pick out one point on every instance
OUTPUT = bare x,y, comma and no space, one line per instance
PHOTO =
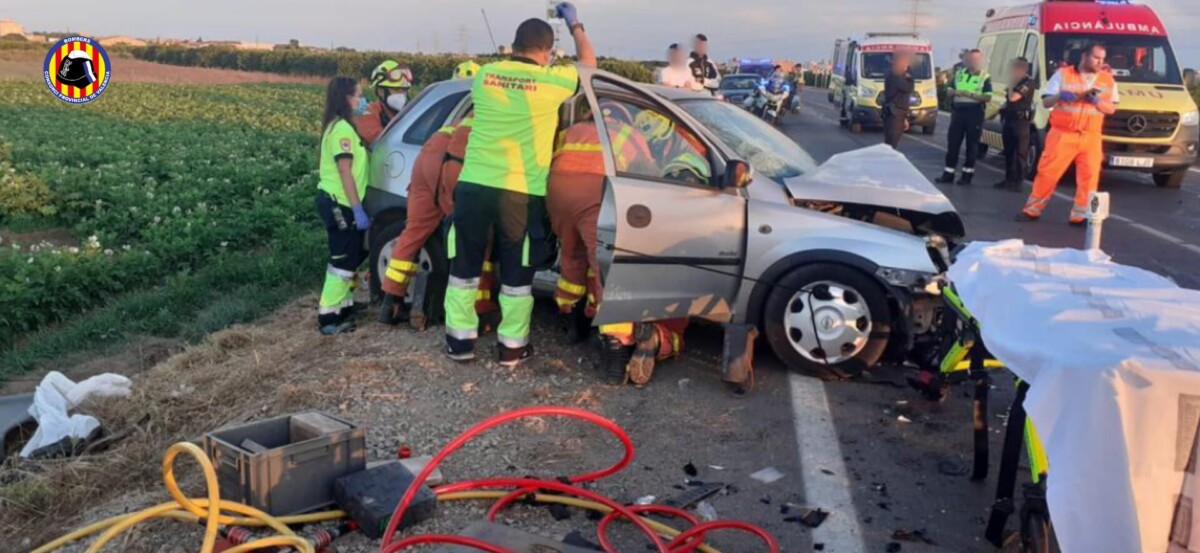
77,70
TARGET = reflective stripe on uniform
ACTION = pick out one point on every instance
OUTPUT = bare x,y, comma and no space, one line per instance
451,242
461,334
1078,213
488,267
340,273
513,342
327,309
571,288
463,283
1035,206
516,291
525,252
403,265
397,276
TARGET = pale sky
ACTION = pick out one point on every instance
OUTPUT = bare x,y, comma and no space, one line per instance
794,29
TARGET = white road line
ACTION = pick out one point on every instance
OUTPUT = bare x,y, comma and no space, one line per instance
826,482
1193,169
1192,247
1158,233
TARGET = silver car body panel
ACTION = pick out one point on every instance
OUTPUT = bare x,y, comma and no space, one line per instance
877,176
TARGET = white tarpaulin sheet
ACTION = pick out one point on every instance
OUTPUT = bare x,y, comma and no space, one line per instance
1112,355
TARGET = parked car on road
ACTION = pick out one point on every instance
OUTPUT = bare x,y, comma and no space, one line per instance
833,263
737,87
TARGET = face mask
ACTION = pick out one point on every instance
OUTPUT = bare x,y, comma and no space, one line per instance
397,101
362,106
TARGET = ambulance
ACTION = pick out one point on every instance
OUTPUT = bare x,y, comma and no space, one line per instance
860,67
1156,129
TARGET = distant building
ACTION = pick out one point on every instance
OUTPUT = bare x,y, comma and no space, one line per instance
121,40
255,46
10,27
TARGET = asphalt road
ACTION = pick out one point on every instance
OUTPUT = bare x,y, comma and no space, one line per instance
873,453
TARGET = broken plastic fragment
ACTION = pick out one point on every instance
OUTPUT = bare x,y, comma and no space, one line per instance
768,475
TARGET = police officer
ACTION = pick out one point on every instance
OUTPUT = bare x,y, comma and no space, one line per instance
1016,114
970,92
897,95
502,186
704,69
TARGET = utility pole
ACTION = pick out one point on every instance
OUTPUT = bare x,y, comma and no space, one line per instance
915,16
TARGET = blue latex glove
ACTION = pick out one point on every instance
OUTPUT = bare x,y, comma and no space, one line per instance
566,11
361,221
1068,96
1093,99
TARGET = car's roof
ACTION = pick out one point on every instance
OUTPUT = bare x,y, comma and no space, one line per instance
742,76
671,94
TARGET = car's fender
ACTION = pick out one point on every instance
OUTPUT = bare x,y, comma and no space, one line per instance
781,237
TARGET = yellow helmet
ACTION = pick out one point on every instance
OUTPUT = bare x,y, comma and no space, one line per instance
391,74
466,70
654,126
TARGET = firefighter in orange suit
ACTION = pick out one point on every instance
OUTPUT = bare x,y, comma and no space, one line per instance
1079,98
430,200
391,83
576,188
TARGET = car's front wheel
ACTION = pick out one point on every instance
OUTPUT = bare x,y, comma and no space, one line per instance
829,320
432,260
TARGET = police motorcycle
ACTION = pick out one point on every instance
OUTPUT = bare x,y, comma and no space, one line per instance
768,100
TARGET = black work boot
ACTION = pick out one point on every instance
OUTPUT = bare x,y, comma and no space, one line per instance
511,357
946,178
641,364
391,310
965,179
614,359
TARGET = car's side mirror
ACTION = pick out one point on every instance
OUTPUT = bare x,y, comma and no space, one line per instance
738,174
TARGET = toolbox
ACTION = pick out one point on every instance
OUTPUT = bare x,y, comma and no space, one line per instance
286,465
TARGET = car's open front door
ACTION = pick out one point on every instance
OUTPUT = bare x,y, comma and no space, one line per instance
671,239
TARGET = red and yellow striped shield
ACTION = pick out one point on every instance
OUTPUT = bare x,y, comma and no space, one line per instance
77,69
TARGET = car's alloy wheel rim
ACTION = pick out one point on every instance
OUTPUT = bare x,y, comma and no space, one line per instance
827,322
385,255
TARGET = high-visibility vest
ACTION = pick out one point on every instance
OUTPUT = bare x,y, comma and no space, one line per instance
964,81
1081,116
579,150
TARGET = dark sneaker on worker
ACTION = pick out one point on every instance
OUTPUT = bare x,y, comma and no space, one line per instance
1023,217
337,328
461,356
965,179
946,178
511,357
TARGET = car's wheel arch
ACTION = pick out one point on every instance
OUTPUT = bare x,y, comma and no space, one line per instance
756,306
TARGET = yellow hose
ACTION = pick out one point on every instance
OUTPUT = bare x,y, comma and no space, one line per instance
208,509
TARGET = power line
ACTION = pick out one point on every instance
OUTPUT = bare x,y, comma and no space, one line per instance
915,15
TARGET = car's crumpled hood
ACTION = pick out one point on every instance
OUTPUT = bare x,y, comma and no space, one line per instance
875,176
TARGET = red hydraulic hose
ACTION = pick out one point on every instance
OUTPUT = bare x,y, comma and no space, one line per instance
681,542
526,484
602,528
505,501
502,418
444,538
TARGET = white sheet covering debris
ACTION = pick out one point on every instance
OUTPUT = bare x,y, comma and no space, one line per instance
56,395
1112,355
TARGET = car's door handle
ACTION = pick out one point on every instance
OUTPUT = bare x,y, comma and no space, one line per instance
638,216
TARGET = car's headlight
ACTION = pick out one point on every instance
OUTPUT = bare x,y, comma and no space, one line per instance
1190,118
904,278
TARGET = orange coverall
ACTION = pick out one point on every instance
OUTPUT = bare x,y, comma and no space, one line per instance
431,199
576,188
1076,136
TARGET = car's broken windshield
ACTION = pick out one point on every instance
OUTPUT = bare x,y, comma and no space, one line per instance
772,154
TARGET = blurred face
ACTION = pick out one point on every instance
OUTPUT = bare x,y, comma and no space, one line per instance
975,61
902,61
675,56
700,46
353,99
1019,71
1093,59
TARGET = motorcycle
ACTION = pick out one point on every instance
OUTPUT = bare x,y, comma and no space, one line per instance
768,102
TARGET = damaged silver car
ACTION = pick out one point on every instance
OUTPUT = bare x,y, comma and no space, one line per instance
837,264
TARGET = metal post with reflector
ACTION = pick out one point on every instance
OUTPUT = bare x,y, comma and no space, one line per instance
1097,213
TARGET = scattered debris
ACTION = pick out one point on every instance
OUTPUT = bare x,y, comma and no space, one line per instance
716,467
707,512
685,383
952,468
811,518
559,511
765,500
903,418
827,472
694,495
56,395
884,505
690,470
768,475
881,488
912,536
644,500
892,547
818,546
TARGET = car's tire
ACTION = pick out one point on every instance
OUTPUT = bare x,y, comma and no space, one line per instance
1174,179
856,128
432,259
852,308
928,129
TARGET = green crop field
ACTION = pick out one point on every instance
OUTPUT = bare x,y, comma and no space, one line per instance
187,207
